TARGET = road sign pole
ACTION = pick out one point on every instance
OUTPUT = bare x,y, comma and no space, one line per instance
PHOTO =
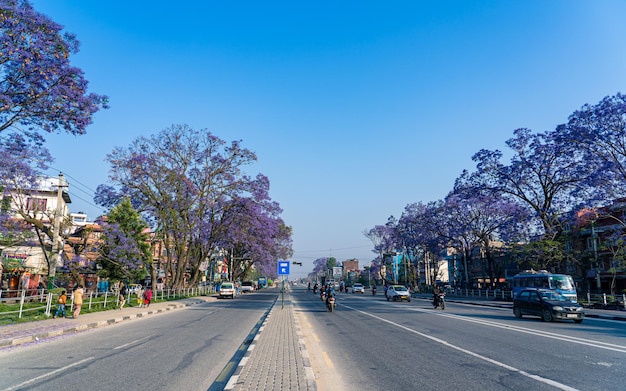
283,269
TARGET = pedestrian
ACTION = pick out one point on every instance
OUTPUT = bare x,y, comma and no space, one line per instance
122,295
147,297
140,297
61,305
78,300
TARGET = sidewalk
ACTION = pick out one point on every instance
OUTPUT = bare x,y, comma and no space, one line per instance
277,359
21,333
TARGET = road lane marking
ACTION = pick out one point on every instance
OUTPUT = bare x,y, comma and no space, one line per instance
520,329
45,375
538,378
329,362
132,342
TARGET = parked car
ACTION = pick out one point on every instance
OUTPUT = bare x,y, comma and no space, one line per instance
228,289
398,292
547,304
247,286
358,288
134,288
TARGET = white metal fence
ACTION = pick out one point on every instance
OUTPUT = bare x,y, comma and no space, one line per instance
23,300
603,300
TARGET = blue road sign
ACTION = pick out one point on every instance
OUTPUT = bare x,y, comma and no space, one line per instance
283,268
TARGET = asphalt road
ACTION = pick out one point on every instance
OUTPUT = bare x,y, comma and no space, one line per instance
180,350
367,344
372,344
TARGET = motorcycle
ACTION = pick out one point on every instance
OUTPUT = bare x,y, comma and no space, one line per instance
315,289
374,291
440,301
330,303
323,296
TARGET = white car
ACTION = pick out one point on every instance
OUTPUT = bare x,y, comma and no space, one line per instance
133,288
398,293
247,286
228,289
358,288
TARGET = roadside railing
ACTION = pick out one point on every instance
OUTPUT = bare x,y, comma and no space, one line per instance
20,302
604,301
495,294
593,300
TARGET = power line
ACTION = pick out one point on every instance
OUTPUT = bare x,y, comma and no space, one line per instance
76,181
76,185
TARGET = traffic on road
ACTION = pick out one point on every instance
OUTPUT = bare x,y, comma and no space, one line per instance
366,342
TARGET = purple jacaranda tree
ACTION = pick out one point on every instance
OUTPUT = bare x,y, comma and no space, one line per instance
321,266
21,161
373,271
546,176
40,92
599,131
75,267
40,89
487,221
421,232
186,182
255,233
383,237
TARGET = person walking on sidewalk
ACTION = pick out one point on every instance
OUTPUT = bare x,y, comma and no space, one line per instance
122,295
78,300
61,305
140,297
147,297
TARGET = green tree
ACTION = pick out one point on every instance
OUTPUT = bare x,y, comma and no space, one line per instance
126,251
542,254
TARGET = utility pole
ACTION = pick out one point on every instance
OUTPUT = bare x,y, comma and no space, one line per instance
56,234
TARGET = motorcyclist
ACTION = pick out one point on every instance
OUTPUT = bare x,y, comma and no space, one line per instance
330,292
436,292
315,288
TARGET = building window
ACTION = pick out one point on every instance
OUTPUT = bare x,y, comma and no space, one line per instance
36,204
592,244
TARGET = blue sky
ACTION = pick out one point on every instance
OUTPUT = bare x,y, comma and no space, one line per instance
355,108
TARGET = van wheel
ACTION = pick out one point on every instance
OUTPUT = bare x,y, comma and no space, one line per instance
578,321
517,312
547,316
